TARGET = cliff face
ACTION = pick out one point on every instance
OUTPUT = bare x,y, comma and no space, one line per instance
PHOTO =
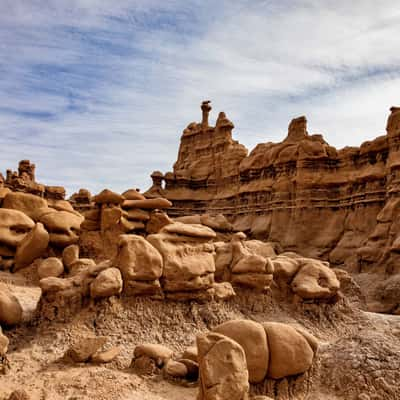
340,205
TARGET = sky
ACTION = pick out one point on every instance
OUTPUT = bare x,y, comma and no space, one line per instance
97,92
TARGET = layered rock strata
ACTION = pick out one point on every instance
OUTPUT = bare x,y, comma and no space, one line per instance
301,193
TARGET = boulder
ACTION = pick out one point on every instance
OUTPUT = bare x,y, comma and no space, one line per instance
223,291
28,203
158,203
216,222
63,227
191,230
158,219
191,353
53,284
222,368
188,257
107,356
156,352
84,348
50,267
10,308
290,352
315,280
70,255
107,283
14,226
133,194
137,259
253,339
32,246
81,265
175,369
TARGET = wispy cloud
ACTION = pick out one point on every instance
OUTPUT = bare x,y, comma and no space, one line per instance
97,94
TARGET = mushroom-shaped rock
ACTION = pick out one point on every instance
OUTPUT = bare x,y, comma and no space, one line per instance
51,266
133,194
252,337
108,197
289,351
10,308
63,227
158,203
222,368
3,343
28,203
315,281
32,246
107,283
14,226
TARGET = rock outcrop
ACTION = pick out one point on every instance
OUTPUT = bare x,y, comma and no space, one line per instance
301,193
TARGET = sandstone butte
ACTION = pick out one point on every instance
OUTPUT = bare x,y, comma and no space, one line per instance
273,274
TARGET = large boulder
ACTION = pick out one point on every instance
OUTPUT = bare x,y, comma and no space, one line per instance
138,259
14,226
107,283
28,203
290,352
252,337
63,227
32,246
222,368
188,259
140,263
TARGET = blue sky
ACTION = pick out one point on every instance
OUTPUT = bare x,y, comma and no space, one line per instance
97,93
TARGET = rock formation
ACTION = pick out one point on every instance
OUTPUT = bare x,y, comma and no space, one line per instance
301,193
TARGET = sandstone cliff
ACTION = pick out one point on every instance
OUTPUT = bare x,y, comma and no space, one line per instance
302,193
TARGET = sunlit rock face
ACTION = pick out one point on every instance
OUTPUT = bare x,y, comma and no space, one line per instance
301,193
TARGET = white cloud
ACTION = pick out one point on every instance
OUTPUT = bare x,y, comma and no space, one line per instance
121,80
